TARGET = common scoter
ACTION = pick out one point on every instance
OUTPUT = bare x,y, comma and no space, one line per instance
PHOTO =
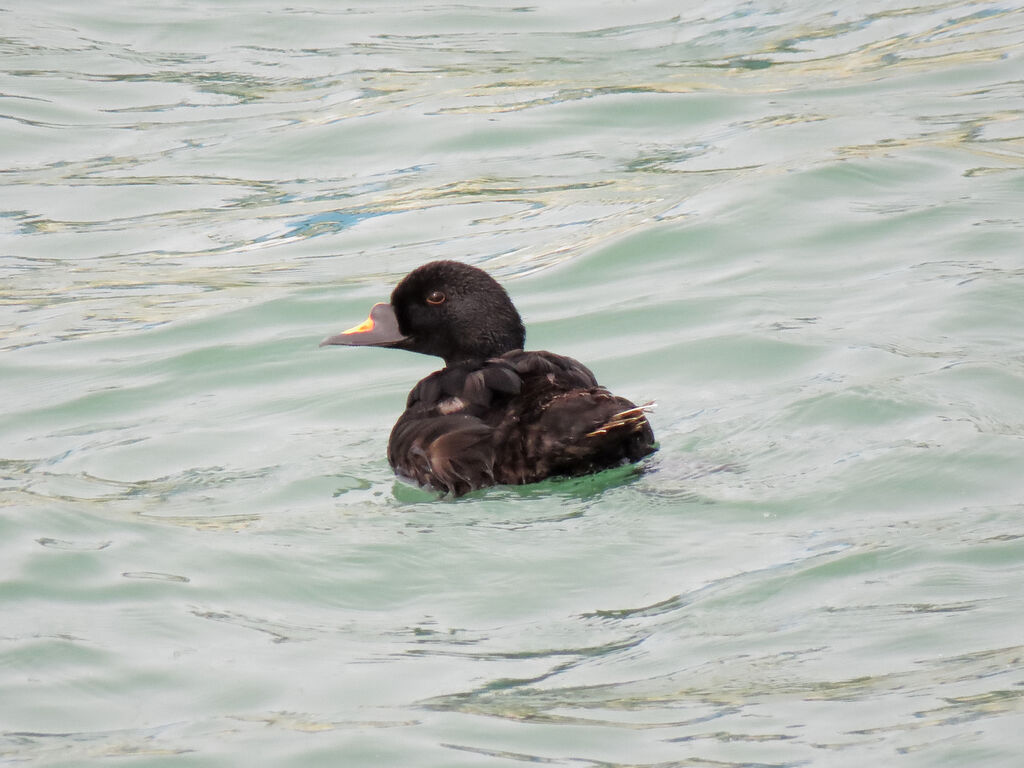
494,414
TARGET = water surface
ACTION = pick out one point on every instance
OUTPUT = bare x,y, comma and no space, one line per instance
796,226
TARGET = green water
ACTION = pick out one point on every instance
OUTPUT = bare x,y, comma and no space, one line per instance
796,226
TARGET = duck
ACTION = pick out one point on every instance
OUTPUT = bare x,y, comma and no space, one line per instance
494,414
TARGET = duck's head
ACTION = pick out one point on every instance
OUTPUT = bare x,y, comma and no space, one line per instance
444,308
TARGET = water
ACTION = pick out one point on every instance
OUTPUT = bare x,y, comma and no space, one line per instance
796,226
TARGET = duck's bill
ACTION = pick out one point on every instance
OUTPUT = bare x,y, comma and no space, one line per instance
380,329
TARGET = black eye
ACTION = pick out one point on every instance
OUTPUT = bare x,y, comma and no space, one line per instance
435,298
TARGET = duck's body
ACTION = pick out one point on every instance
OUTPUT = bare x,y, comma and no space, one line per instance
494,414
513,419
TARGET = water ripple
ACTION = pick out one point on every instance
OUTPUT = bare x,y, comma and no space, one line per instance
796,226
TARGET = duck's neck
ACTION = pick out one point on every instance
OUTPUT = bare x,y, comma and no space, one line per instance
465,361
476,356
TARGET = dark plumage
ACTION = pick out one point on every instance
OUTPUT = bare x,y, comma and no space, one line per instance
494,414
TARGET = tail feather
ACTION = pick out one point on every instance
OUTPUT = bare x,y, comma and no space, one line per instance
632,418
576,433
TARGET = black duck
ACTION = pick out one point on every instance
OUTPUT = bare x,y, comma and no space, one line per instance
494,414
